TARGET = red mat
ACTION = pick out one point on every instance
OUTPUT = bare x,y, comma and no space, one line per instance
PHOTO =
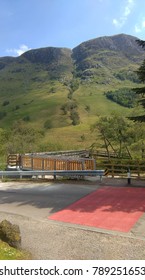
108,208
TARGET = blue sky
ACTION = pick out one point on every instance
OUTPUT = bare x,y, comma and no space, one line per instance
30,24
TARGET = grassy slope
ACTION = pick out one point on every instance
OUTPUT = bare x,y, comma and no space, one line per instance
9,253
70,136
42,105
32,93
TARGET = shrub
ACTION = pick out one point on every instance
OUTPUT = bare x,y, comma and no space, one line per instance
48,124
52,90
87,108
26,118
5,103
2,115
74,116
10,234
17,107
83,137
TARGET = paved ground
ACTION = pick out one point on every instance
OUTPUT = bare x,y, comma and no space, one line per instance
30,204
39,200
111,208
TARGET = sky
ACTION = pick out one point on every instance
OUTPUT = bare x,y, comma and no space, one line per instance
32,24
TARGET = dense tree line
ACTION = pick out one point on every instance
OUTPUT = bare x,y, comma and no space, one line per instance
127,75
124,96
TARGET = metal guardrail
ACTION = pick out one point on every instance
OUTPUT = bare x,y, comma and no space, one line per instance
64,173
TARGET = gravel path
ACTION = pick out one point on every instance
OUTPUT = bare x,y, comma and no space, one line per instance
52,241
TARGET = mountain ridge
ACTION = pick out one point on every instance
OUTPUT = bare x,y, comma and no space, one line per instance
49,79
117,38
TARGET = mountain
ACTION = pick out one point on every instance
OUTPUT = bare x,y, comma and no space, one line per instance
50,87
108,53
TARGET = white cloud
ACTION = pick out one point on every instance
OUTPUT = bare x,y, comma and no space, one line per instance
126,12
116,22
140,27
16,52
137,29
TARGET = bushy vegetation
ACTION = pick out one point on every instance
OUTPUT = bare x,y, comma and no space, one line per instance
10,233
74,116
48,124
10,242
2,115
121,136
6,102
68,107
127,75
124,96
21,138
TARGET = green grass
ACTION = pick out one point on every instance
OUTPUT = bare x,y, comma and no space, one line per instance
68,136
9,253
41,106
37,98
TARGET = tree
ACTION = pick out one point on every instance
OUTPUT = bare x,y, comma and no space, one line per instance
115,133
74,116
23,138
138,145
141,90
4,138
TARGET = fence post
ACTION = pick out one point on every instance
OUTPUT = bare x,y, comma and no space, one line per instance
43,176
129,176
112,167
55,168
83,168
20,161
32,162
138,169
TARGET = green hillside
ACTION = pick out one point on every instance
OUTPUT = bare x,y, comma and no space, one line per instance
61,91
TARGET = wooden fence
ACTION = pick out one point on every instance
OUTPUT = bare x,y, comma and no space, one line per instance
13,160
103,154
114,167
44,162
137,169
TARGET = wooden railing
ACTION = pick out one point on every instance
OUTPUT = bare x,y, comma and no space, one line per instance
103,154
44,162
13,160
137,169
49,163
